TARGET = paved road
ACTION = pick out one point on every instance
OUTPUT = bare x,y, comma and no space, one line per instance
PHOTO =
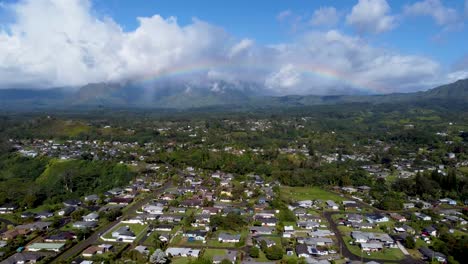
130,211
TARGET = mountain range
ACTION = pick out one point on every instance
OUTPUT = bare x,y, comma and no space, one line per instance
184,96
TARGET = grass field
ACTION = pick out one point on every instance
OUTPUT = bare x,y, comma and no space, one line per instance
309,193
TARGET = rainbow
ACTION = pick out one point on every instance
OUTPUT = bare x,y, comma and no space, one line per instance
307,69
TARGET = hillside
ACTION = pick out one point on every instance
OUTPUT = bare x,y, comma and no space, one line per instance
185,96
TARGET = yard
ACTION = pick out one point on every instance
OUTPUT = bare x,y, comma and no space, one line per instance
137,229
211,252
309,193
390,254
180,260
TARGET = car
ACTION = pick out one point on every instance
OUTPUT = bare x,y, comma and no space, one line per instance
332,251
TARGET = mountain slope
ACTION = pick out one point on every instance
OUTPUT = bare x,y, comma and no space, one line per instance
185,96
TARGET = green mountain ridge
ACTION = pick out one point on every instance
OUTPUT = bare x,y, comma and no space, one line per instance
187,97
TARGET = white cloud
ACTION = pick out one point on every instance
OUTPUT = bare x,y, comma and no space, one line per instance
442,15
285,78
283,15
58,43
371,16
242,46
325,16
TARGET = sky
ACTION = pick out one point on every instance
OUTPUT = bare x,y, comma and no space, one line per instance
286,47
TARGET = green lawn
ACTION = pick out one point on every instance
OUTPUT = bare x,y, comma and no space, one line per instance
137,229
309,193
180,260
211,252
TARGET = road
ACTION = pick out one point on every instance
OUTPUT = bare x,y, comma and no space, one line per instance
130,211
348,254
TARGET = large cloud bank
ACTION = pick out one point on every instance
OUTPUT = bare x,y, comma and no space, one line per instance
64,43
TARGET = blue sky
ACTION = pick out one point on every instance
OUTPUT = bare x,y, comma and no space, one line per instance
298,46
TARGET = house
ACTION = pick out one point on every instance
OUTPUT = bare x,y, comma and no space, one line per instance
355,218
316,241
24,257
261,230
56,247
124,234
210,210
12,234
308,224
399,229
192,203
201,220
93,250
371,247
73,203
265,214
25,215
91,217
448,201
398,217
321,233
182,252
407,206
228,238
177,210
332,205
423,217
92,198
116,191
153,209
8,208
377,218
363,225
121,200
268,242
300,212
165,237
170,218
267,221
61,237
409,229
305,203
139,219
350,205
84,225
142,249
429,231
302,251
288,231
230,255
40,226
66,211
369,237
163,227
429,254
198,235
